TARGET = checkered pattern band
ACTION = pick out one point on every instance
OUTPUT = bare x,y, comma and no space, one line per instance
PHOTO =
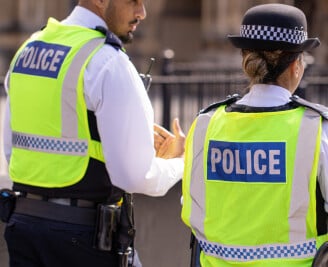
300,250
50,145
271,33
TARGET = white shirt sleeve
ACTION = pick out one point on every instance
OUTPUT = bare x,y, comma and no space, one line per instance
116,94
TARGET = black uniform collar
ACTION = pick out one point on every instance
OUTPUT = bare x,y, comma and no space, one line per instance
111,38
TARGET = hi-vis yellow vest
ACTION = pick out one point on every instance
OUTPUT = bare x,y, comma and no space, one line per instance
51,139
249,187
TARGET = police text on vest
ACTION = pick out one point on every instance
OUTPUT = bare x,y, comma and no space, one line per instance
247,161
41,59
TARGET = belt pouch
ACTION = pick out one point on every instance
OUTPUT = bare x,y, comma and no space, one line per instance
106,226
7,204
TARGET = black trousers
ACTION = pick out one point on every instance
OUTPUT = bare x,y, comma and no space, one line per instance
37,242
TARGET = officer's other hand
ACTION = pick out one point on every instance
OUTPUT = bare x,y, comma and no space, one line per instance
169,145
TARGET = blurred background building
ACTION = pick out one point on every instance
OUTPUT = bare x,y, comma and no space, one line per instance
194,29
195,65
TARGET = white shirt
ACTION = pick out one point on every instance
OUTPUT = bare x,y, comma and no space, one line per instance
116,94
262,95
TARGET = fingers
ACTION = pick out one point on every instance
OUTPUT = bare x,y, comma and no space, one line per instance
177,131
160,136
168,145
162,140
158,140
162,131
180,138
165,147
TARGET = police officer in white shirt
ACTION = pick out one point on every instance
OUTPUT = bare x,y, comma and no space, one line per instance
139,157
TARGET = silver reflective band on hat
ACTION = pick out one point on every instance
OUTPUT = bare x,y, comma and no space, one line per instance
271,33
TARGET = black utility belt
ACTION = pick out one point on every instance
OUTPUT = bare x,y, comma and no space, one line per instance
113,223
81,203
105,218
75,211
55,211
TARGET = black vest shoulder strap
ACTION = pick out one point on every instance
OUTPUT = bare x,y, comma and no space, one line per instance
229,100
321,109
111,38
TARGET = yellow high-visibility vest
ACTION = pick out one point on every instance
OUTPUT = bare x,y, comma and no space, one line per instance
249,187
51,139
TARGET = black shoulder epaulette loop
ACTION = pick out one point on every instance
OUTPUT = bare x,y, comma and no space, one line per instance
229,100
321,109
111,38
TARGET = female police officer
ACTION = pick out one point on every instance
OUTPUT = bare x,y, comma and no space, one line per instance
251,166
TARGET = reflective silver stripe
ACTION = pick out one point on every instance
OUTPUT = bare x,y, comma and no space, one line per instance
67,146
69,92
249,253
197,184
305,151
299,199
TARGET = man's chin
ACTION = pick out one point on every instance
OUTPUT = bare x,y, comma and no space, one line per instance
126,39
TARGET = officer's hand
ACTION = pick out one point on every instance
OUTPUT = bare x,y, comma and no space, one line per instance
169,145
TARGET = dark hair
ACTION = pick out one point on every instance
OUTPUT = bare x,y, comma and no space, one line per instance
266,66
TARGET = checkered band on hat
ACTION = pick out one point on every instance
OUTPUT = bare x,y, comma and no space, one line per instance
272,33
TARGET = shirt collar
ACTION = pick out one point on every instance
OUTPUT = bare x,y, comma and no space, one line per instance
266,95
81,16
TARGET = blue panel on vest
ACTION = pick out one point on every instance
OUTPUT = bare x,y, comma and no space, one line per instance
41,59
247,161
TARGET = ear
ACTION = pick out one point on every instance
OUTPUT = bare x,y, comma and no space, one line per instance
295,68
100,3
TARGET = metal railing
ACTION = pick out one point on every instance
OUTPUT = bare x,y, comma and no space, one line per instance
187,89
184,94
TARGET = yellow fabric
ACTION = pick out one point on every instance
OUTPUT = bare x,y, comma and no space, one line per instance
208,261
186,207
250,213
263,200
36,109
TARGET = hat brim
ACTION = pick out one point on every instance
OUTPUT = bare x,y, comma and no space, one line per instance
268,45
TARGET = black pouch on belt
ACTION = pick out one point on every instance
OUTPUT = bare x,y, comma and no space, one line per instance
107,221
7,204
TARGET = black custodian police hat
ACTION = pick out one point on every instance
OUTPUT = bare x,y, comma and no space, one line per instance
272,27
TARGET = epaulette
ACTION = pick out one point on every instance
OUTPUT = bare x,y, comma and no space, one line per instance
321,109
229,100
111,38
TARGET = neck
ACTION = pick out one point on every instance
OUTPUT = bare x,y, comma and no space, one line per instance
287,81
90,6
